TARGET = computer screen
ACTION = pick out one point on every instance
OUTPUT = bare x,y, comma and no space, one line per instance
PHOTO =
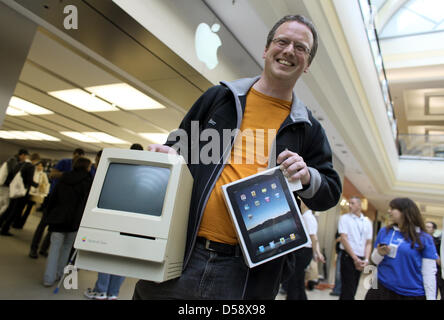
134,188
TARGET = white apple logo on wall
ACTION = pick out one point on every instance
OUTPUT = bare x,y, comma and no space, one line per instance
206,43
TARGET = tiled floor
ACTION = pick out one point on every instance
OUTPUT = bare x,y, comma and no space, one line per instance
21,277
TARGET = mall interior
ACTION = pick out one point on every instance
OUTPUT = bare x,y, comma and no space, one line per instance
106,74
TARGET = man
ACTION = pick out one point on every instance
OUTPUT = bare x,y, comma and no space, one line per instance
213,265
64,165
431,229
356,242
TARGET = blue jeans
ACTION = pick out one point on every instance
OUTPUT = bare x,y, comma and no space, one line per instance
208,275
58,255
337,288
109,284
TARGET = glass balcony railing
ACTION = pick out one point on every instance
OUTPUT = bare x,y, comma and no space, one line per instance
421,146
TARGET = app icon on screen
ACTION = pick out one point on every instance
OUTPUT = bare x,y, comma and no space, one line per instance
267,199
292,236
257,203
277,195
264,190
261,249
273,186
253,193
247,207
282,240
243,197
272,245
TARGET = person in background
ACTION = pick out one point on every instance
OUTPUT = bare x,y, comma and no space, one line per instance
16,206
405,255
65,210
356,232
107,286
136,146
295,285
35,194
337,288
12,164
95,165
64,165
431,228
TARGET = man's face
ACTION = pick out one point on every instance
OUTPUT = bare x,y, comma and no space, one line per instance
286,63
354,205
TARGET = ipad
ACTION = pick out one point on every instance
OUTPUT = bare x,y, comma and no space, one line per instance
266,217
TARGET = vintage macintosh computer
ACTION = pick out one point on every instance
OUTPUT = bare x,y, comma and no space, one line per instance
136,216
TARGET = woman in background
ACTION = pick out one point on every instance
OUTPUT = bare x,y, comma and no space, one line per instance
405,255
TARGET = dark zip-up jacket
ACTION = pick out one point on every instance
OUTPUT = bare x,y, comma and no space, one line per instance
67,201
221,108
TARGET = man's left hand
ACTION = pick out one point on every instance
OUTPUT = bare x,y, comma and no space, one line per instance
294,167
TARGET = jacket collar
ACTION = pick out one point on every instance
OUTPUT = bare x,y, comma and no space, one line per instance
241,87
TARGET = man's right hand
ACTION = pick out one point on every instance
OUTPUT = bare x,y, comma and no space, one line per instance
161,148
359,264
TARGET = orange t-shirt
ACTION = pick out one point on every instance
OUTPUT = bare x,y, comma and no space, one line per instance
262,118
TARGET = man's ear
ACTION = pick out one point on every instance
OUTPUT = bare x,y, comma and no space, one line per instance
265,52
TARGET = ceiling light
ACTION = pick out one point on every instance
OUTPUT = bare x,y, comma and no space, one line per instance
125,96
41,136
11,111
155,137
94,137
20,135
26,135
27,107
83,100
104,137
6,135
80,137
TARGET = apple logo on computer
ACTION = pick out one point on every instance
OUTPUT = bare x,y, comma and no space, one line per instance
206,44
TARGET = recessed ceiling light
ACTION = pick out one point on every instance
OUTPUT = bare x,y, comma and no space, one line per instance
83,100
94,137
155,137
11,111
80,137
42,136
26,135
104,137
27,107
125,96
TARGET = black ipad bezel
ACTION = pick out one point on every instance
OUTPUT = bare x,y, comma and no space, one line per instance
231,192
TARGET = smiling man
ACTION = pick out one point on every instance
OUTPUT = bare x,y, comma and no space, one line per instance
284,133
